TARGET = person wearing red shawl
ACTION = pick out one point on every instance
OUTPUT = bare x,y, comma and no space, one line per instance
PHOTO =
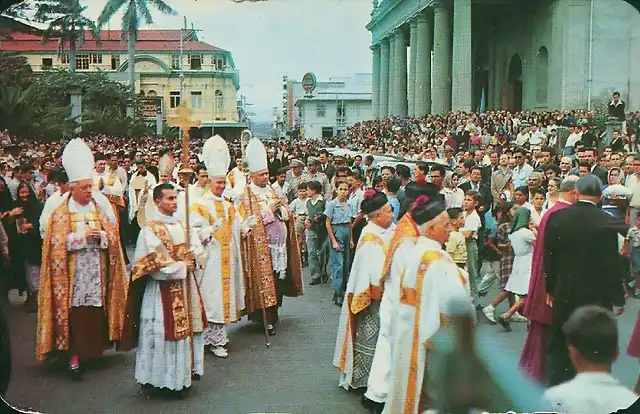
536,309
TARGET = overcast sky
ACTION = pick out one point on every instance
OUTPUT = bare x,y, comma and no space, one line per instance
275,37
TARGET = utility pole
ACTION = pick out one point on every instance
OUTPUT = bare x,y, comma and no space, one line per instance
184,31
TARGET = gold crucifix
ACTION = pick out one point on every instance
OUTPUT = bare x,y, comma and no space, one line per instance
182,119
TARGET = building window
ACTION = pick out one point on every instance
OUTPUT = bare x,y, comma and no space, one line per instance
195,62
542,73
321,110
64,59
175,62
220,62
219,101
96,59
196,100
174,99
152,94
115,62
82,62
47,63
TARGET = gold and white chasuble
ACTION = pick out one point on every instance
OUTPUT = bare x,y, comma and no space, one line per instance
431,281
363,289
219,226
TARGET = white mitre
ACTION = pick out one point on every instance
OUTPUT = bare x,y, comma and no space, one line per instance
215,154
77,160
256,156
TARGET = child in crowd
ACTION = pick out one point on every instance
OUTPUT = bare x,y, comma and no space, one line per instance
338,218
501,245
592,339
456,245
522,237
393,186
316,231
299,209
470,230
633,240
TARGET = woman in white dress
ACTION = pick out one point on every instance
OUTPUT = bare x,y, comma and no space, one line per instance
522,237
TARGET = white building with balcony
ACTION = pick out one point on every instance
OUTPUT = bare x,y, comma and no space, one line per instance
334,105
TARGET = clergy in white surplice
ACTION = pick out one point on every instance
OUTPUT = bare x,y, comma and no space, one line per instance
359,319
398,255
431,282
165,316
219,226
105,181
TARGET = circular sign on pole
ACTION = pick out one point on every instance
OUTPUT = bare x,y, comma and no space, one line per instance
309,82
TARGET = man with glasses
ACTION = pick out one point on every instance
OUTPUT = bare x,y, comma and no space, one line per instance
522,170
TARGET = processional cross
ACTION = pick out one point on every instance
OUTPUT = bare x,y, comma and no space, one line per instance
182,119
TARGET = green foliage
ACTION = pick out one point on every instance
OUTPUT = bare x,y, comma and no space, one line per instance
42,109
26,113
14,70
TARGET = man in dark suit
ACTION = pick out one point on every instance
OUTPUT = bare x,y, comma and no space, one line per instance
274,165
592,158
582,267
325,166
475,183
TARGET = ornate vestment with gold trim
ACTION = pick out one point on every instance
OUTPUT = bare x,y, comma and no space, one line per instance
183,313
431,281
57,280
258,268
363,287
221,281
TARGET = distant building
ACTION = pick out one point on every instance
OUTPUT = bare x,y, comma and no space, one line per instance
333,105
211,80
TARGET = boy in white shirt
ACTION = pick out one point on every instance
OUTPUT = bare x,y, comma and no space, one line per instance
592,338
472,224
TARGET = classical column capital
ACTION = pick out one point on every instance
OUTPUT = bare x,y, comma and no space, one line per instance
441,4
414,23
374,47
422,17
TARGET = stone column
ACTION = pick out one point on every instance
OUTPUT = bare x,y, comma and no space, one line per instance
462,66
441,94
411,85
423,66
383,111
375,82
392,74
400,67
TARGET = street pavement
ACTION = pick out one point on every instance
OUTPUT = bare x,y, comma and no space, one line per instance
294,375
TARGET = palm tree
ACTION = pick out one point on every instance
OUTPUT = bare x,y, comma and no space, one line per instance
66,22
134,12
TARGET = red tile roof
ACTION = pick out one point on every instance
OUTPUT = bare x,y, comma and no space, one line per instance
148,40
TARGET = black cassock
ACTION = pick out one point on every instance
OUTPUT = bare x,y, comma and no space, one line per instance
582,266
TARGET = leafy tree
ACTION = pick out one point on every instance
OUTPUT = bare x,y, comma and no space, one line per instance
25,113
67,23
135,11
14,69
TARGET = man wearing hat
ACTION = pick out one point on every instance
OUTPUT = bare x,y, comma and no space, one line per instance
294,178
582,267
83,279
272,256
431,282
359,318
312,174
219,226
